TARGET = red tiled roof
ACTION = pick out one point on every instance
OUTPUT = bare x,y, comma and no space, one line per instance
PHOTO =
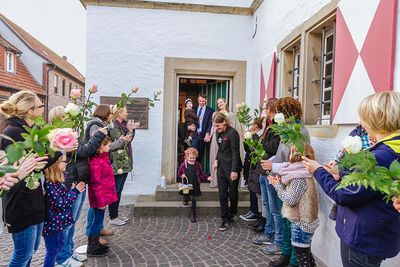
8,46
21,80
43,50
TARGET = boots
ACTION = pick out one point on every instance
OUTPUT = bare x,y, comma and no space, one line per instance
192,216
305,257
95,249
282,261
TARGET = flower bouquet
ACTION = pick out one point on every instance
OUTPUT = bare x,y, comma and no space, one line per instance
289,131
365,172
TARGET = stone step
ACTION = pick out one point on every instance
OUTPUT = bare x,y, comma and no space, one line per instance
170,193
148,206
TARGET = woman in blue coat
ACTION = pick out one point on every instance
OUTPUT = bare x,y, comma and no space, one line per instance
367,225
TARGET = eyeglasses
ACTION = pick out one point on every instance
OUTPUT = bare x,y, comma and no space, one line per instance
40,106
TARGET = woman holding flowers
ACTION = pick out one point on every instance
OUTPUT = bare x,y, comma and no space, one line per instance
121,159
367,225
222,108
24,208
77,170
284,109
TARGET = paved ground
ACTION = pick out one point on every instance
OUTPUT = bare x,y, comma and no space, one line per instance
166,241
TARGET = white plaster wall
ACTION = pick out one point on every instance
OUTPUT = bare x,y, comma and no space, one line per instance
234,3
127,46
275,20
32,61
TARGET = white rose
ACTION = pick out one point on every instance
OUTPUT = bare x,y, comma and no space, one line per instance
119,171
279,118
120,151
72,109
248,135
352,144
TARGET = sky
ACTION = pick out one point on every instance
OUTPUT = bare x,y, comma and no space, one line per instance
59,24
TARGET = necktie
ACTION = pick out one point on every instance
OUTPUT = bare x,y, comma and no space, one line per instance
200,110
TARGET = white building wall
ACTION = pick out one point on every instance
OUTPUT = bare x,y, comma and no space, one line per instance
234,3
276,19
127,47
32,61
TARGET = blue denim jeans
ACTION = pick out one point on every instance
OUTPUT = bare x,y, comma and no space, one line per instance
95,222
119,186
352,258
54,243
269,223
300,238
275,213
68,234
26,242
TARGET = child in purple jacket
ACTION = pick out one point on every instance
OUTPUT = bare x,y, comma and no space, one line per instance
191,173
59,201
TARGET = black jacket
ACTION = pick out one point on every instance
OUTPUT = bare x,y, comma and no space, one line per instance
78,165
228,155
22,207
271,143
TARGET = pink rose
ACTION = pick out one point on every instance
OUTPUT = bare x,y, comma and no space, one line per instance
93,89
75,93
238,105
63,139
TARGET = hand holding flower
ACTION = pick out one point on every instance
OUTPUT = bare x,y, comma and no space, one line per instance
274,180
8,181
310,165
266,165
396,203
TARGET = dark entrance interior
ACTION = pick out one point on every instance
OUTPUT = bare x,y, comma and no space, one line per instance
190,88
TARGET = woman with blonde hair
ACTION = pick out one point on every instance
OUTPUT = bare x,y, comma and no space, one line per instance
24,208
222,107
367,225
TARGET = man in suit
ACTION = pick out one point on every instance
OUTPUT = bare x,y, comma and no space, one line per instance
228,164
203,129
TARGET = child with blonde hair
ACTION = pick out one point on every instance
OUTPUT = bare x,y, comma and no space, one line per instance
59,200
297,190
191,172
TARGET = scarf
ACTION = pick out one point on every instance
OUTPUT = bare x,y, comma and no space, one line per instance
125,130
293,171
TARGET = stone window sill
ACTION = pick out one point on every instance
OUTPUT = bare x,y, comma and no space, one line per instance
323,131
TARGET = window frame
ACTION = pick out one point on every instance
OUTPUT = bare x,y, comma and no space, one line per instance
63,87
55,84
307,36
10,59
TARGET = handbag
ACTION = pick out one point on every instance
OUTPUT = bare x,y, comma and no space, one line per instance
185,188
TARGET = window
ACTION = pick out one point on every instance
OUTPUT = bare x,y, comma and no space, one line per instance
327,76
55,84
63,87
291,69
10,61
70,88
307,63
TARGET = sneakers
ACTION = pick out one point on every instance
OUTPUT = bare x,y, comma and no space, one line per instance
224,226
249,217
263,240
79,257
70,262
123,218
106,232
117,222
272,249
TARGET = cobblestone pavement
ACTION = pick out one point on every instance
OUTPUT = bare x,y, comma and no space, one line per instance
165,241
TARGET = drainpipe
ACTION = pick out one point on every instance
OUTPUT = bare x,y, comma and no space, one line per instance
48,90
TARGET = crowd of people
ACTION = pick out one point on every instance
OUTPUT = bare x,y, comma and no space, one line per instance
284,204
98,163
283,185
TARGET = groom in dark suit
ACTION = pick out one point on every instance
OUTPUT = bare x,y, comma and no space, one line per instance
203,128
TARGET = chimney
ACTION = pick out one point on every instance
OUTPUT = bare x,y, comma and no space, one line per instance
65,58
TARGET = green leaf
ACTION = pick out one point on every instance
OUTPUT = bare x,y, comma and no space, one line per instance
395,169
14,152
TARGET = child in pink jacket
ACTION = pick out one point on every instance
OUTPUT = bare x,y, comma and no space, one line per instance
102,193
